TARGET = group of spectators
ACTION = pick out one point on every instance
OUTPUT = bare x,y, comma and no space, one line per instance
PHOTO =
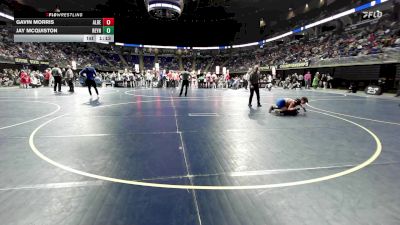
372,40
27,78
30,78
307,81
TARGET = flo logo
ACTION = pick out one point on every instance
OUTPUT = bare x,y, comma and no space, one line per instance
366,15
373,90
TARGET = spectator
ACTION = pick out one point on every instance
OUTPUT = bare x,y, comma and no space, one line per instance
301,80
316,80
329,80
25,79
69,75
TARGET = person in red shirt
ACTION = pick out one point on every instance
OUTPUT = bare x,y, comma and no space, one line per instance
169,76
371,37
47,76
25,79
227,80
22,80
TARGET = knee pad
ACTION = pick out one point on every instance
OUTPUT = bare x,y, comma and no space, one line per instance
287,113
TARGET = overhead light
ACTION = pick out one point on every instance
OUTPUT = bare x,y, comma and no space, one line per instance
6,16
262,23
306,8
162,9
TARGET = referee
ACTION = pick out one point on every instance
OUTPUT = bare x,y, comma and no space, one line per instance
90,75
56,73
185,81
254,77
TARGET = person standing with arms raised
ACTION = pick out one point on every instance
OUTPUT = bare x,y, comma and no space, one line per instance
185,81
253,79
90,75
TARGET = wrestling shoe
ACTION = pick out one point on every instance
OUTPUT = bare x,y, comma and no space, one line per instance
259,105
270,109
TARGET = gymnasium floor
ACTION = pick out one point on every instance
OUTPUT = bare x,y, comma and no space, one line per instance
146,156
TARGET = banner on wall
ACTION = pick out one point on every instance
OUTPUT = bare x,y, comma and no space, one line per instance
284,66
21,61
18,60
294,65
34,62
263,68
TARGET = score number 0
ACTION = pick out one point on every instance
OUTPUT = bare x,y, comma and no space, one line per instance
108,25
108,21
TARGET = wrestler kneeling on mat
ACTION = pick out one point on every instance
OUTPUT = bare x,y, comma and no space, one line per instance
288,106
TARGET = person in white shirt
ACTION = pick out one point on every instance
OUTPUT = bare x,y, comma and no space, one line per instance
301,80
214,80
194,79
149,77
329,80
269,82
35,81
208,80
69,76
113,78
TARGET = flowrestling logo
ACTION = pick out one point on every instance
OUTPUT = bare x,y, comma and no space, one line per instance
367,15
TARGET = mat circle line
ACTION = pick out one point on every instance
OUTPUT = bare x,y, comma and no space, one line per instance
64,95
34,119
371,159
355,117
201,97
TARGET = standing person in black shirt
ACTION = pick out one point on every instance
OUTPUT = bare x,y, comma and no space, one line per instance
185,81
253,79
57,73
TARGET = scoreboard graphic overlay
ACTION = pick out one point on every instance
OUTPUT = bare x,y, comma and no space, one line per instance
63,27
